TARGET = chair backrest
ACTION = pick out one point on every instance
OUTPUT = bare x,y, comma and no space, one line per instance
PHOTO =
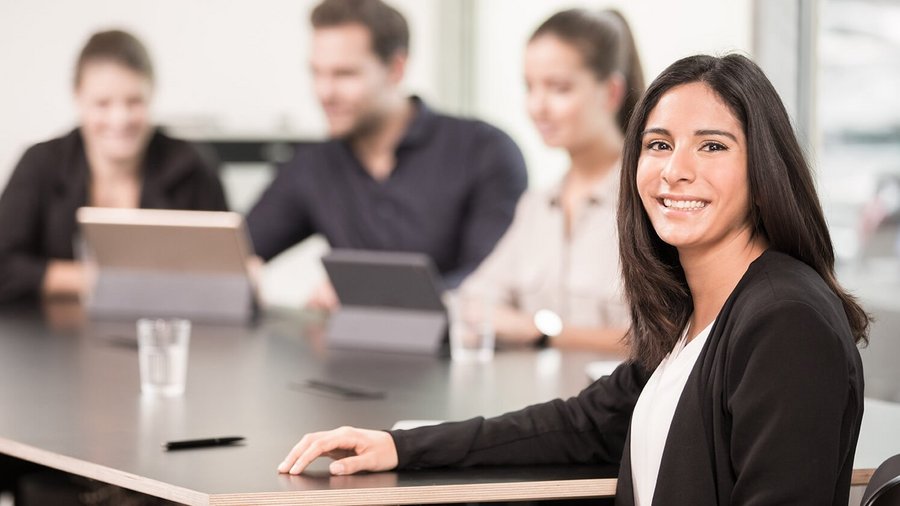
883,489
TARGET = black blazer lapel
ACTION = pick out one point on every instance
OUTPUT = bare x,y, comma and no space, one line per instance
624,488
686,474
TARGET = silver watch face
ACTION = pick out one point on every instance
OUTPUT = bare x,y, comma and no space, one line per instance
548,322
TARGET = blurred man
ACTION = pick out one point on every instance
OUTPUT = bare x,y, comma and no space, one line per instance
395,174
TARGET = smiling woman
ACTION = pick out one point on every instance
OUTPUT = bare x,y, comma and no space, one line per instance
744,385
734,137
729,272
115,158
692,173
583,77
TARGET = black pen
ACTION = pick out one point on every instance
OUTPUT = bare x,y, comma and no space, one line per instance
201,443
353,393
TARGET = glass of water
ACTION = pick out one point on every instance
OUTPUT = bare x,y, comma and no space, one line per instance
471,326
163,354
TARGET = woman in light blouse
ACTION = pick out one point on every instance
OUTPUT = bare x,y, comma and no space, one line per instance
557,265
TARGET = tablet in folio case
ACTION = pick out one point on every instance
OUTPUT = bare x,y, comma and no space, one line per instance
390,301
163,263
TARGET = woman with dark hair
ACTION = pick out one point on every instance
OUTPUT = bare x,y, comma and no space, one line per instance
584,77
744,384
115,158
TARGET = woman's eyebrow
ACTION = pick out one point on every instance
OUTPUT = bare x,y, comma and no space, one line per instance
697,133
660,131
722,133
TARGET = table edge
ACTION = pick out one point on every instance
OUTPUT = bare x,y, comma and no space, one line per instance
103,473
425,494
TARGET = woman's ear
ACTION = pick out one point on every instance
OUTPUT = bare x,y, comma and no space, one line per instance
615,91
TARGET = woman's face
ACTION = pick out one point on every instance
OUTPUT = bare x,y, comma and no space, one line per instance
113,102
692,171
567,103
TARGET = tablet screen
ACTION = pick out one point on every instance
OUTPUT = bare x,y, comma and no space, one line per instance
384,279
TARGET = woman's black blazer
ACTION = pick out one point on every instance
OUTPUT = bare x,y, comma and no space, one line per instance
770,414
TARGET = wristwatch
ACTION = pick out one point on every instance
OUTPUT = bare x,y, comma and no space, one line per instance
549,324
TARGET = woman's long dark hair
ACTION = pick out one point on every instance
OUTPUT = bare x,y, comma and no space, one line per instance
604,41
784,209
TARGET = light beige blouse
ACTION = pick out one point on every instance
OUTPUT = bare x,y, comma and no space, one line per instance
535,266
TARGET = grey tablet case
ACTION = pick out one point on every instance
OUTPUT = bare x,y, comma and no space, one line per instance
162,263
390,301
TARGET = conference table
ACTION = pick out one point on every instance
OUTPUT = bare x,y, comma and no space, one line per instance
70,399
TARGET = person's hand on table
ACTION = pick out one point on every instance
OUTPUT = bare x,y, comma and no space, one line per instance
352,449
514,327
323,297
65,278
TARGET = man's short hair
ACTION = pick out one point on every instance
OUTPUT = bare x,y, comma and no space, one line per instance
390,33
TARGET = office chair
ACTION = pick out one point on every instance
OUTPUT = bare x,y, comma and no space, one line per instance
883,489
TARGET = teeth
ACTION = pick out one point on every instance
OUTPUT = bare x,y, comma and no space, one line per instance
684,204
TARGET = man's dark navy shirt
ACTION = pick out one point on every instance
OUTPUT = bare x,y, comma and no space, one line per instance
451,195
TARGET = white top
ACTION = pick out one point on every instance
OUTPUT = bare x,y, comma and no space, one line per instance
536,266
654,411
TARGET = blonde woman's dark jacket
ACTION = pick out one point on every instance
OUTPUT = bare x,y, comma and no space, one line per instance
51,181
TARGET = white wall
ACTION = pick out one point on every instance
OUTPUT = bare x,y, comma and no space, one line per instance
665,30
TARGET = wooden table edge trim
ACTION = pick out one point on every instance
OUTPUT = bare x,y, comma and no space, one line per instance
557,489
102,473
861,477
